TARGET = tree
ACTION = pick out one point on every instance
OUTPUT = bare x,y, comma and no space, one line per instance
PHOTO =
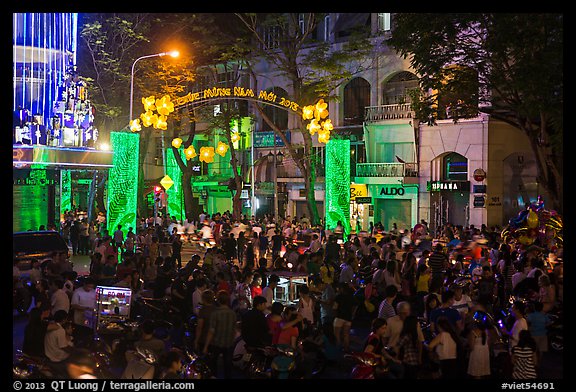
312,68
111,44
517,60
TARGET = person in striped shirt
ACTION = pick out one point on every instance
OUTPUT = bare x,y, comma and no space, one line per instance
524,358
386,308
437,263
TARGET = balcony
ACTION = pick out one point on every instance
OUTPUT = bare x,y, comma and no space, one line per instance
387,112
387,170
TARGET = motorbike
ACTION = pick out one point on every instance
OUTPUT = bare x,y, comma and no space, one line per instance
365,365
556,330
29,367
22,296
270,362
196,367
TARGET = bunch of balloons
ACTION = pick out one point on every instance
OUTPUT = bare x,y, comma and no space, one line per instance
535,224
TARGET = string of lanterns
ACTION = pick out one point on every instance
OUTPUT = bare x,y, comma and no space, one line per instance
318,114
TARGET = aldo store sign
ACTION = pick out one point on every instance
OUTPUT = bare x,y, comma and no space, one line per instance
392,191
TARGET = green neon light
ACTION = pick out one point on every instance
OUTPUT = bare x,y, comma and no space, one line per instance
175,194
338,184
29,207
65,191
123,181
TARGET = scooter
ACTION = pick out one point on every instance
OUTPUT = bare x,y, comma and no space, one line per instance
365,365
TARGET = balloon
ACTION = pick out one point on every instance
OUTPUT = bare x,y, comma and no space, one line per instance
532,219
525,240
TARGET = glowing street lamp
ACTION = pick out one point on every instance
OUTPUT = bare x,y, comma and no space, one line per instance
173,54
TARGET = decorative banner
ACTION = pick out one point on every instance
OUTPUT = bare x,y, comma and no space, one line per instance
338,184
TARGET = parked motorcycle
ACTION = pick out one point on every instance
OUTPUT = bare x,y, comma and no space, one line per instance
365,365
556,330
22,295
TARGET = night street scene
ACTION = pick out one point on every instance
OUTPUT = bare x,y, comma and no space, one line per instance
294,196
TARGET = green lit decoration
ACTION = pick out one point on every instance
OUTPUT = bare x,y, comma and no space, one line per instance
338,184
175,202
123,181
65,191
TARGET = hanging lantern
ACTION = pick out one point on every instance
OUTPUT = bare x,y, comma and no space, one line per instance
234,137
207,154
164,106
221,149
323,136
149,103
321,112
176,142
308,112
135,125
161,122
148,118
327,125
190,152
313,127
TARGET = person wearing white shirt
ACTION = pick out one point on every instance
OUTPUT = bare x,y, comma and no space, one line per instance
83,304
315,244
518,309
268,292
201,286
58,342
59,300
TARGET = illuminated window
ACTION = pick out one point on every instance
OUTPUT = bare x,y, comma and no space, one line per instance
384,22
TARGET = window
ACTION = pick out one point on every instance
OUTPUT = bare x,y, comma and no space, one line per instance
327,28
383,22
278,116
271,37
301,23
395,91
455,167
389,151
159,152
356,99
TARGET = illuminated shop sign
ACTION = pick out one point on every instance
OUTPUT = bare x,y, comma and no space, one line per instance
392,191
437,186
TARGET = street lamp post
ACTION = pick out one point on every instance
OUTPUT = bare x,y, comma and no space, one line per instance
174,53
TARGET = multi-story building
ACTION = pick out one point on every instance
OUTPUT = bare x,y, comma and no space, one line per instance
56,165
474,171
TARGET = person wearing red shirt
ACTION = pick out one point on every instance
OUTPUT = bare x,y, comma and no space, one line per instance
222,283
256,285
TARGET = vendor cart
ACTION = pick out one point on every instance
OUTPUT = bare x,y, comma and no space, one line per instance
112,309
287,291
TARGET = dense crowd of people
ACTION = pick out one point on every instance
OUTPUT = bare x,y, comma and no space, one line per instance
419,291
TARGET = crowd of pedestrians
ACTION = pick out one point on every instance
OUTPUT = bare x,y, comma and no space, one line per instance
403,283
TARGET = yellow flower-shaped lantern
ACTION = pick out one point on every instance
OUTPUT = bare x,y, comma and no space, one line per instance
316,114
161,123
148,118
135,125
234,137
207,154
190,152
149,103
221,149
164,106
321,111
176,142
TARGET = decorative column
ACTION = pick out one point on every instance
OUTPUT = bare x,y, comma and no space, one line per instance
338,184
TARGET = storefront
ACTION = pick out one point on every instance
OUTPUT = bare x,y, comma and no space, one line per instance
450,202
393,203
